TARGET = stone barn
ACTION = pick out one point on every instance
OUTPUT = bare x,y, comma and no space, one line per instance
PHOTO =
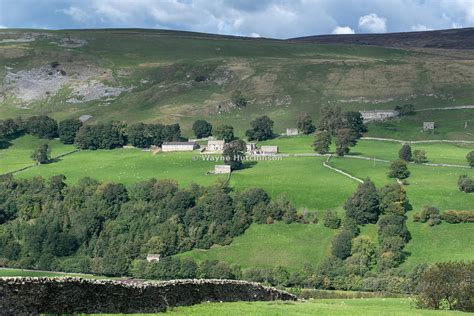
221,169
153,257
178,146
215,145
378,115
291,131
251,147
84,118
268,150
428,126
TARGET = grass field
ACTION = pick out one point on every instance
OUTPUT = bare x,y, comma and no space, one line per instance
280,79
303,180
291,246
349,307
129,166
18,154
33,273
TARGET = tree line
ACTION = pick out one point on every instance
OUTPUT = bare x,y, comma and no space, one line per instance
109,225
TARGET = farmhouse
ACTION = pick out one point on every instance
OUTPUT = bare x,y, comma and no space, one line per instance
251,147
428,126
268,150
221,169
178,146
215,145
378,115
291,131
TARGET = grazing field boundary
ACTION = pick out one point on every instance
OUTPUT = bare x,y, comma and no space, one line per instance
419,141
325,164
27,296
447,108
35,164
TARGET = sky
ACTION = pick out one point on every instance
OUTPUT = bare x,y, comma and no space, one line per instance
257,18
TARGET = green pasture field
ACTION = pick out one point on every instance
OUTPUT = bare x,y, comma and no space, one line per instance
427,185
17,153
303,180
289,245
448,125
129,166
4,272
346,307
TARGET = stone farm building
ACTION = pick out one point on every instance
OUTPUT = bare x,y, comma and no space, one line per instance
84,118
221,169
268,150
215,145
291,131
251,147
153,257
178,146
428,126
378,115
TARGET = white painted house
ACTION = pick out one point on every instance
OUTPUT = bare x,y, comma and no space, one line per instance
215,145
178,146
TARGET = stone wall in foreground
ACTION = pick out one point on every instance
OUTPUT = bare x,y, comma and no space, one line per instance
76,295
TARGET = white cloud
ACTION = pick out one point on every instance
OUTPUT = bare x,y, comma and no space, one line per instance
268,18
253,34
420,27
343,30
76,13
372,23
3,27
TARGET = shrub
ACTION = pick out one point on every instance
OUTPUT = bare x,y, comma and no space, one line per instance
330,220
429,214
466,184
202,128
419,156
405,153
342,244
305,124
42,154
454,217
398,169
470,159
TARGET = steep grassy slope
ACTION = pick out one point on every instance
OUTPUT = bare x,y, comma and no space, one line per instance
165,76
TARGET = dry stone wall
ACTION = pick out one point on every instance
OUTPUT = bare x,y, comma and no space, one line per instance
76,295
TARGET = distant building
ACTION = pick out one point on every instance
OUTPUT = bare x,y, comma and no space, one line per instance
291,131
251,147
215,145
268,150
428,126
84,118
153,257
378,115
221,169
178,146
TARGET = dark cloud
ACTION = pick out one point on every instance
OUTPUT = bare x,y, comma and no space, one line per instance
269,18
